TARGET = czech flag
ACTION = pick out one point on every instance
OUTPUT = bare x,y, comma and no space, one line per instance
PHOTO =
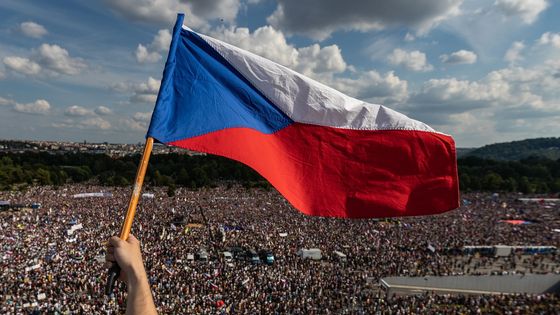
328,154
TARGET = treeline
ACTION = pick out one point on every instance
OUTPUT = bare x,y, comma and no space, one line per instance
531,175
164,170
510,151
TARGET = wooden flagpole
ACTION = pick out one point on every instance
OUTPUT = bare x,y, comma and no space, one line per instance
114,271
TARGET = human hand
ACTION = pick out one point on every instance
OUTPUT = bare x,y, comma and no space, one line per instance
127,254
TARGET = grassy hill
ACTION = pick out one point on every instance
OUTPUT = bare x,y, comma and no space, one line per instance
517,150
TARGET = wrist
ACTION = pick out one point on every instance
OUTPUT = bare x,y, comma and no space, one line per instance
136,274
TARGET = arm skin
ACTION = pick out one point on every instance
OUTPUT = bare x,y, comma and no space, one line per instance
128,256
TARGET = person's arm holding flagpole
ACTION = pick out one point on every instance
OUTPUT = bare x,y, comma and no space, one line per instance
128,256
114,270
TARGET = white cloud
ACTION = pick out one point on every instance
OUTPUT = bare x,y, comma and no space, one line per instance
224,10
122,87
382,47
374,87
549,38
527,109
314,61
459,57
94,123
319,18
325,64
89,123
131,124
498,101
527,10
536,88
33,29
142,117
50,59
67,123
5,101
149,87
164,12
145,92
409,37
450,92
152,11
152,52
143,55
139,121
144,98
103,111
513,54
58,60
485,28
162,40
2,75
412,60
77,111
39,107
264,41
22,65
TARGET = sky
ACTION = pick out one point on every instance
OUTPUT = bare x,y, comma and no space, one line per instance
483,71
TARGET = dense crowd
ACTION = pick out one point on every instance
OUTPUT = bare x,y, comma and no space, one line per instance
44,268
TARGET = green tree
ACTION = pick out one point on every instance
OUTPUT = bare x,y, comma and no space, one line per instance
43,176
555,186
492,181
183,178
525,186
465,181
509,184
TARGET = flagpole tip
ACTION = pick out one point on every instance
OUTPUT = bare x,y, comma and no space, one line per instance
180,18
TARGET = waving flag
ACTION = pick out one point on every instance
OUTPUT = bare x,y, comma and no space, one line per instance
327,153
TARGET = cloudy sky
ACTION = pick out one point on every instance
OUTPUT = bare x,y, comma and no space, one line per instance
483,71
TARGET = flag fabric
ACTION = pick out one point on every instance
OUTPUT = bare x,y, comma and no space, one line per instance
327,153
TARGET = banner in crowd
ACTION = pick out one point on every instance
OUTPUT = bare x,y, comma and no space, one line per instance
88,195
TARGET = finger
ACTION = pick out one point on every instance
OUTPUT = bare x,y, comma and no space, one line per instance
132,239
109,257
115,241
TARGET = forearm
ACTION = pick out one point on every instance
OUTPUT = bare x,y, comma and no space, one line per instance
140,300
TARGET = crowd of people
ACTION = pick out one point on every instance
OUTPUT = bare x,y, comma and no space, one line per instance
52,256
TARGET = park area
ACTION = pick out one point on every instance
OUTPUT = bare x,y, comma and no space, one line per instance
208,251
